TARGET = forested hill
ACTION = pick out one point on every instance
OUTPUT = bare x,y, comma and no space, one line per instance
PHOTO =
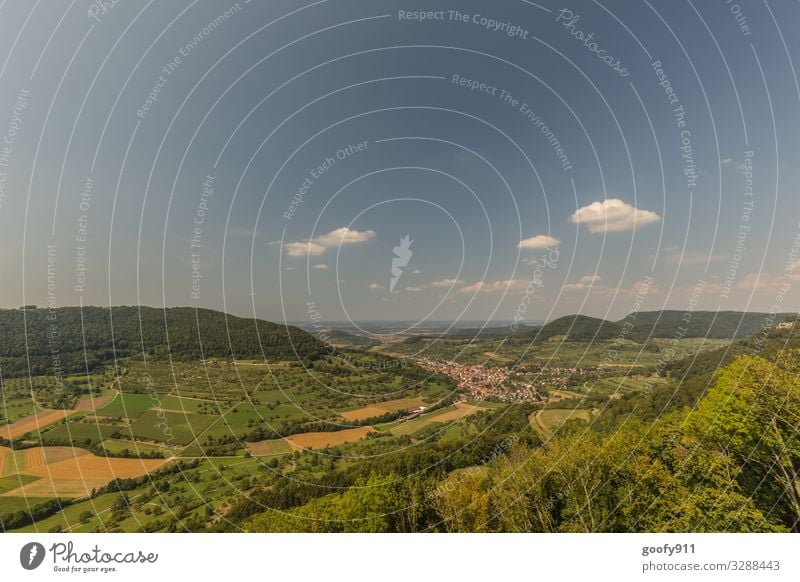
640,326
67,335
578,328
706,324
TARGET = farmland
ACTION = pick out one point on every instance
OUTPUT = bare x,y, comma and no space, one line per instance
65,472
203,445
318,440
151,416
32,423
382,408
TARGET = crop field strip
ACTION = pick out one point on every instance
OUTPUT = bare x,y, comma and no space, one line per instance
74,473
31,424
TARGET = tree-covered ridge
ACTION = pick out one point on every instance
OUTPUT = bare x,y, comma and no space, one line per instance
76,338
638,326
706,324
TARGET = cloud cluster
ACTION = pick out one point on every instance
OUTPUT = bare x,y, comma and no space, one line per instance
446,282
612,215
585,282
540,241
318,245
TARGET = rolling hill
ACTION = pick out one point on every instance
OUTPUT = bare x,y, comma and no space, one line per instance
77,339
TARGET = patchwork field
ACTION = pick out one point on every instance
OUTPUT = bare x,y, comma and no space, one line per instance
462,409
93,403
78,432
270,447
33,423
69,471
127,406
319,440
176,427
16,462
381,408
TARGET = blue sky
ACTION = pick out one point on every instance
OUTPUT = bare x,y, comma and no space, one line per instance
259,157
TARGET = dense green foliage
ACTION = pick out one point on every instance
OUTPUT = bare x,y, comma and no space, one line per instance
731,464
577,328
660,441
707,324
71,339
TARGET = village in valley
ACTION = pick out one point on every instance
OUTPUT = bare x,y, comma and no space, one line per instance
481,382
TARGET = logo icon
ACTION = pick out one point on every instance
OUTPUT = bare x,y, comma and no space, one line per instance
403,256
31,555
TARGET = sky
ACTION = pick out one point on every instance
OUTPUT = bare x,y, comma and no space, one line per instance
449,160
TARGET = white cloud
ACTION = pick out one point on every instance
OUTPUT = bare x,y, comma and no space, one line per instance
540,241
317,246
767,281
416,289
375,286
416,272
612,215
320,267
585,282
726,161
345,236
446,282
301,249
